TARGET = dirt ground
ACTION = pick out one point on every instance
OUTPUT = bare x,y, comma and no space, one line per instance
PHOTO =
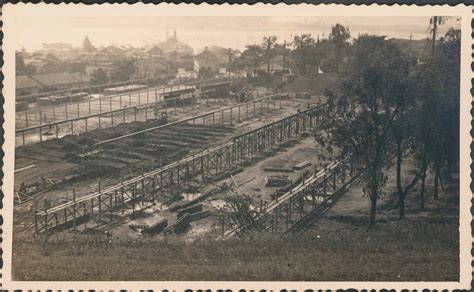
56,161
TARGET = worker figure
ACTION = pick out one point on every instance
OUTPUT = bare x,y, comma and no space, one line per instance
23,188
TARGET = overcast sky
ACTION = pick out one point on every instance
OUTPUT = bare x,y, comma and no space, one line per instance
198,32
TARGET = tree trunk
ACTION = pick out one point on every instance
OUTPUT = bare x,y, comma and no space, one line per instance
449,168
441,183
337,60
401,195
373,208
436,182
423,178
435,27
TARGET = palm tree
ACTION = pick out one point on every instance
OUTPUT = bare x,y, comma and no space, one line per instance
268,46
435,21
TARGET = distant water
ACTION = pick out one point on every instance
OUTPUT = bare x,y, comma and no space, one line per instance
197,39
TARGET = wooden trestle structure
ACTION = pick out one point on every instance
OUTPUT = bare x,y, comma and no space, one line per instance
301,205
143,190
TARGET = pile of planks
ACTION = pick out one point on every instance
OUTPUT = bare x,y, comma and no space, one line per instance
277,180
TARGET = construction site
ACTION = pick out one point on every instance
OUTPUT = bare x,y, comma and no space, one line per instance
158,160
232,147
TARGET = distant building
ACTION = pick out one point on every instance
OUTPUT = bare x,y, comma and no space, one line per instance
172,44
57,47
87,45
155,51
152,67
206,61
221,53
36,83
26,85
106,66
181,62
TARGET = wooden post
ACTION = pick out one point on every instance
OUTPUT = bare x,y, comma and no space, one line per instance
74,208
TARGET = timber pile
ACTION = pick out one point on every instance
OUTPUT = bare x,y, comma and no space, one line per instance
150,230
199,215
180,226
190,210
302,165
278,169
278,180
156,228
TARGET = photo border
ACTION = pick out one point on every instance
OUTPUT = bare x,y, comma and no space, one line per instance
8,157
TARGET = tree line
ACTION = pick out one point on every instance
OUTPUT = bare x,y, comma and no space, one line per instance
309,54
390,108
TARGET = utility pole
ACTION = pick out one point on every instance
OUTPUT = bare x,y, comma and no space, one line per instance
284,55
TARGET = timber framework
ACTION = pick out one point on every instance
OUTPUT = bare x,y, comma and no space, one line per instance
142,191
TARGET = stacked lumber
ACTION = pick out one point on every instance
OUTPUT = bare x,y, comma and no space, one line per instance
179,226
156,228
190,210
278,180
302,165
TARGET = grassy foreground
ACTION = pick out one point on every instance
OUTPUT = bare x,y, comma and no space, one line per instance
413,250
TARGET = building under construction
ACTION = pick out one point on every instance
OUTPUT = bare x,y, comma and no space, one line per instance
151,159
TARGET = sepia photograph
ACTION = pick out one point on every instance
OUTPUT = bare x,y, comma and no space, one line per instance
271,145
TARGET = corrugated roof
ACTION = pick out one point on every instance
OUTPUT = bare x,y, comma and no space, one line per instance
25,82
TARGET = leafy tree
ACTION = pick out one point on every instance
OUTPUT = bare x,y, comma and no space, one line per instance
231,56
361,113
99,76
241,210
123,70
339,36
282,50
442,83
305,53
205,72
77,67
252,57
19,63
268,47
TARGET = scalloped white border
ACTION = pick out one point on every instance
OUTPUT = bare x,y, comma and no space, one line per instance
10,11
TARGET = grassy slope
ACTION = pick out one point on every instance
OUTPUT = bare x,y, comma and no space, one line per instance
413,250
